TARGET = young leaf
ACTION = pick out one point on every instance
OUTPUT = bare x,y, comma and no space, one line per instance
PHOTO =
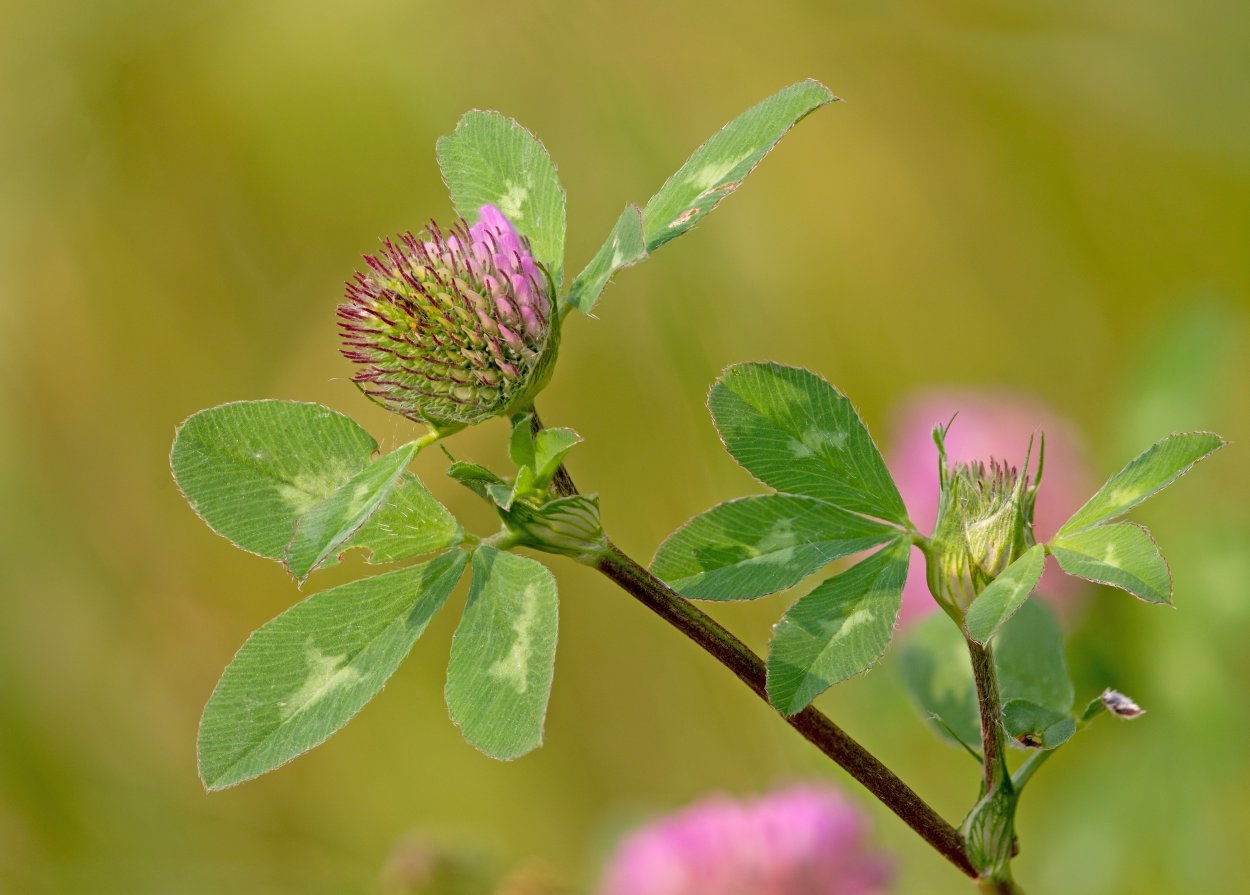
503,654
1123,555
521,443
491,160
550,448
477,479
837,630
718,167
753,546
1030,659
1004,595
934,664
302,676
1036,727
1151,471
410,522
505,496
794,431
624,247
251,468
1028,654
330,522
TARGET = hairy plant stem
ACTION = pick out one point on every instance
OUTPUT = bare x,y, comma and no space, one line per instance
989,703
999,787
815,727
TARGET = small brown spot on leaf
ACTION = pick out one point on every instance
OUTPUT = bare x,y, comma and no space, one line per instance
684,217
723,189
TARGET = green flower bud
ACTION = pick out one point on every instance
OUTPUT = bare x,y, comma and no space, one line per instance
984,523
566,525
989,834
452,328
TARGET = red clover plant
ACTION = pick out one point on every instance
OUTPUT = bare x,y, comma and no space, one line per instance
462,323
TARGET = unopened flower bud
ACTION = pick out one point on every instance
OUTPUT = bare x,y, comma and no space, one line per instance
564,525
989,833
984,523
452,327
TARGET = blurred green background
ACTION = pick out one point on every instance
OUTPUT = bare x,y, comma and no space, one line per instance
1053,197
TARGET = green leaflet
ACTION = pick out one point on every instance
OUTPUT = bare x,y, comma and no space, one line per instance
408,523
1035,726
934,663
503,654
624,247
794,431
753,546
837,630
542,454
1123,555
550,448
1004,595
251,468
718,167
1028,654
715,170
1030,659
478,479
521,441
254,470
302,676
1151,471
329,523
491,160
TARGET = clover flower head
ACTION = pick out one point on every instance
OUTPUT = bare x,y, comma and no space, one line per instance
988,423
800,841
452,327
984,523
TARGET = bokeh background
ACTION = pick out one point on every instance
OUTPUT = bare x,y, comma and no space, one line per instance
1052,197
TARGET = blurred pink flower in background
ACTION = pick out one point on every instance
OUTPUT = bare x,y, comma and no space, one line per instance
800,841
989,424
